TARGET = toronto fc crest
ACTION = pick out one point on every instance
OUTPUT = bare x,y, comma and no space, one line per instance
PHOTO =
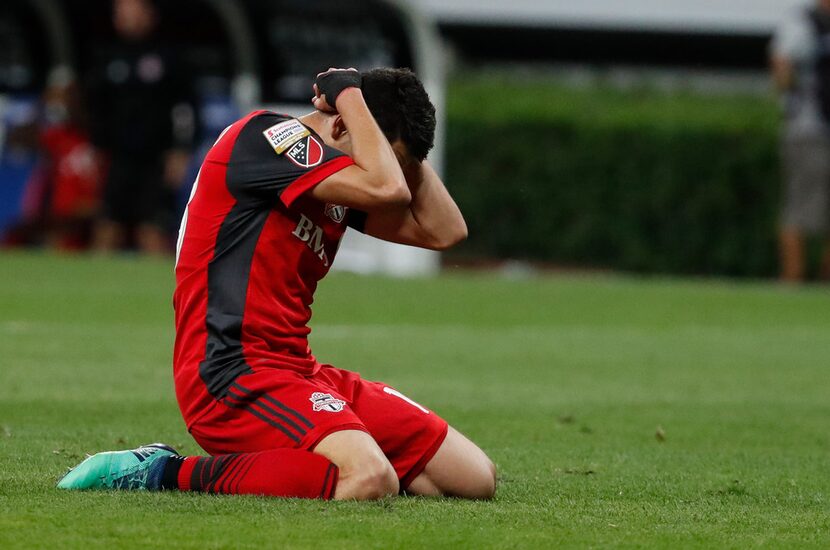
336,212
326,402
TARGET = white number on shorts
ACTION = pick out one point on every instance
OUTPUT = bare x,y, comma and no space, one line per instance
399,395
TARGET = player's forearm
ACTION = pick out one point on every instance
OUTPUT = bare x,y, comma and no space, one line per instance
433,209
370,149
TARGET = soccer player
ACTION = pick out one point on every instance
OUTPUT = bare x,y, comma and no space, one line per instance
272,200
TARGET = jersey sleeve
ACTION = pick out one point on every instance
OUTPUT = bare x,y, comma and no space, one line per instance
276,157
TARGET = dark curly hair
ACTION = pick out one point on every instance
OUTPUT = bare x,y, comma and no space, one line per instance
401,107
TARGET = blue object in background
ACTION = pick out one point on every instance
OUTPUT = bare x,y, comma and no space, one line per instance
16,163
217,111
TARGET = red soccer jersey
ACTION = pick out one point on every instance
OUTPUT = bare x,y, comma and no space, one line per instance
252,247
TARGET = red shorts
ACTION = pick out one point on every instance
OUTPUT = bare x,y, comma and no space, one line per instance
277,408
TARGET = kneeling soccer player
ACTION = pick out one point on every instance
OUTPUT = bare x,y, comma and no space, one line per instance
270,204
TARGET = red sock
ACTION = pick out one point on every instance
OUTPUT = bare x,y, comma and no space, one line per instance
277,473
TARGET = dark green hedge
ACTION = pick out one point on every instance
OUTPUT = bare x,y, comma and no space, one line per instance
642,181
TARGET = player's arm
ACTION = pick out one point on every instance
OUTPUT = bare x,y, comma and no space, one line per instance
375,181
431,220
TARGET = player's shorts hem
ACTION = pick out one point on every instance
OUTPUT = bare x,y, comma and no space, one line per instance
316,437
419,466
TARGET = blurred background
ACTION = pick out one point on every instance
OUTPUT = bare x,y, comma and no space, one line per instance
639,136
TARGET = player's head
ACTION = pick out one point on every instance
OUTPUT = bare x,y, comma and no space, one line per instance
134,19
402,109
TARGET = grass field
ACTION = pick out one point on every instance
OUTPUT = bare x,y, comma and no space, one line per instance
620,411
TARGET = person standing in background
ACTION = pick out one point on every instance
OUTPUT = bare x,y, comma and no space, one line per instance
800,61
136,89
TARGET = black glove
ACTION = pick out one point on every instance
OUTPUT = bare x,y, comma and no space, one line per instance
332,82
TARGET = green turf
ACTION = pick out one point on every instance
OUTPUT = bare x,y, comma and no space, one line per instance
564,381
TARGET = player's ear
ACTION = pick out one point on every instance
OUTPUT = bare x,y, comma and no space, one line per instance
338,127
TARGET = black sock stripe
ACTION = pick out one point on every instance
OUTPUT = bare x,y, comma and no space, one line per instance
282,406
228,466
233,475
210,467
267,420
170,474
216,463
329,472
196,475
243,473
265,409
203,472
233,464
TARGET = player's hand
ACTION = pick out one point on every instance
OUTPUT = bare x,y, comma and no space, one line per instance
320,102
330,83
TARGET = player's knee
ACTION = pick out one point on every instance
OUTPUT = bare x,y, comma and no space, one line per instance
372,480
376,481
381,482
483,482
489,480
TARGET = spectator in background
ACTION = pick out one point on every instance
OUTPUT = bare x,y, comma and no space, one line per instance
800,59
142,118
62,195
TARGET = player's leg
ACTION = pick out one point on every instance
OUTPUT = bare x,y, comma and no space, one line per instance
154,211
108,236
260,436
345,465
279,472
117,205
364,471
806,200
303,415
459,469
428,456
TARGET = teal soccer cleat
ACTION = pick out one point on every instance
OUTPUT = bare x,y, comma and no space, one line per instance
138,469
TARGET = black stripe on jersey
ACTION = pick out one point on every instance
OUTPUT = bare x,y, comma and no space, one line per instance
282,406
227,287
255,176
256,171
254,401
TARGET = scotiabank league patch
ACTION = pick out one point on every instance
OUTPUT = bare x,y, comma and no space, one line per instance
285,134
306,153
